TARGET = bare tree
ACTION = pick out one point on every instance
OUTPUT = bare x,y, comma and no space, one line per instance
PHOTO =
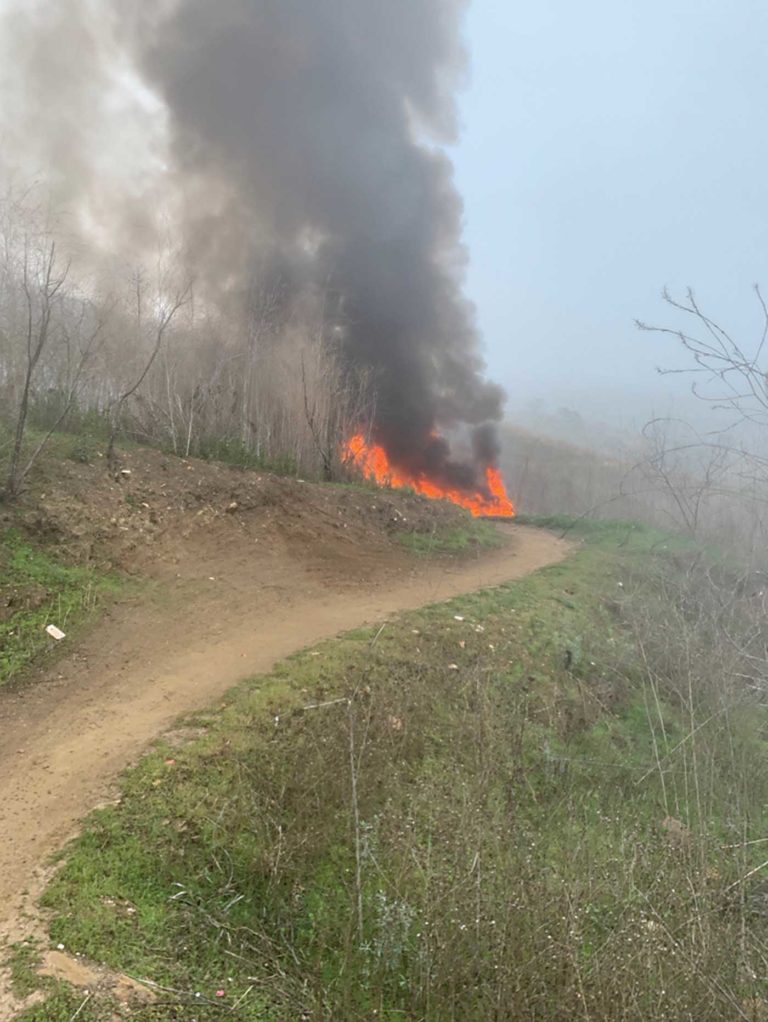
166,310
80,344
689,472
262,379
724,471
727,373
338,401
43,280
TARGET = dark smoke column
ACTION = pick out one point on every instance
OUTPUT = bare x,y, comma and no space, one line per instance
315,123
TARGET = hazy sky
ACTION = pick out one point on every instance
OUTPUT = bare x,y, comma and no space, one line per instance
610,147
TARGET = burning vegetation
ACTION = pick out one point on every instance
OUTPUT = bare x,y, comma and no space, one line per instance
489,499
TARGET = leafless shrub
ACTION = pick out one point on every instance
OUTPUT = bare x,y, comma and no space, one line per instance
50,331
726,373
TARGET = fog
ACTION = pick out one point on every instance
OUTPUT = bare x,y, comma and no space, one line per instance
608,150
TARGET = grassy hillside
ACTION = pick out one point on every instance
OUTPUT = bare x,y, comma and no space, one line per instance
79,528
545,801
36,590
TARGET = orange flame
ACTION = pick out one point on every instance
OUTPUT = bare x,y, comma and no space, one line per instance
373,463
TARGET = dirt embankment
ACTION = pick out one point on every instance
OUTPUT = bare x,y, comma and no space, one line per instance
146,516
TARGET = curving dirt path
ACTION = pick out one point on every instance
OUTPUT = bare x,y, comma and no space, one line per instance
64,740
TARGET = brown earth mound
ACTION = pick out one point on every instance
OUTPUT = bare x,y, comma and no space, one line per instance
138,517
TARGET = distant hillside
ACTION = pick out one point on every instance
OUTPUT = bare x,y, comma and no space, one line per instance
680,481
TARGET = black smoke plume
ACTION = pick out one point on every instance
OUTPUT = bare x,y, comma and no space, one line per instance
316,118
304,134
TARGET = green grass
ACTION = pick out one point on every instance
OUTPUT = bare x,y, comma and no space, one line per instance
24,961
231,451
460,816
474,535
65,1004
614,531
37,590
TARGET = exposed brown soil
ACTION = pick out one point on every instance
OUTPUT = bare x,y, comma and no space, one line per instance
245,569
143,517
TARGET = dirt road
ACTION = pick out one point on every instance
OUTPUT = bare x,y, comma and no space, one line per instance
64,739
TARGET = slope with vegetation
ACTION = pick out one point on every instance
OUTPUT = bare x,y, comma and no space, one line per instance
37,589
543,801
80,531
